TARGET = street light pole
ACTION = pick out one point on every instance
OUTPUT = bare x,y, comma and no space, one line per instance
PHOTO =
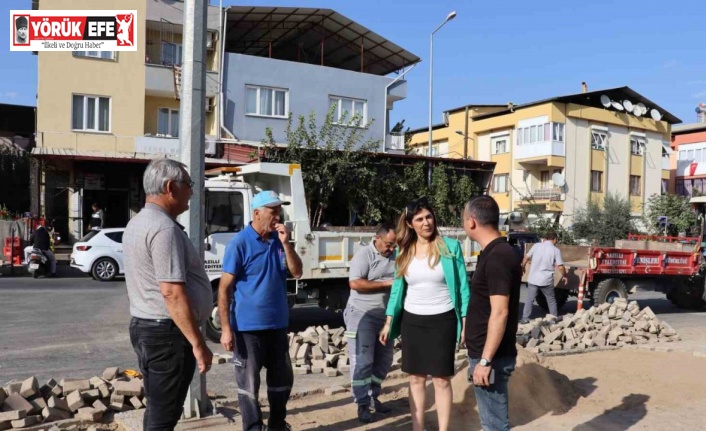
449,17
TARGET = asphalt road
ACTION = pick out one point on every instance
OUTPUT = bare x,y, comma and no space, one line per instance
77,327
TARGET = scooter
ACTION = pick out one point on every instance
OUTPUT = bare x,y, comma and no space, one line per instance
38,264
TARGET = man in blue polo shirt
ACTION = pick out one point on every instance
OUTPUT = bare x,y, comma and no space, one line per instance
255,315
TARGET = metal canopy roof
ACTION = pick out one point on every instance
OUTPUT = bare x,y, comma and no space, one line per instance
312,35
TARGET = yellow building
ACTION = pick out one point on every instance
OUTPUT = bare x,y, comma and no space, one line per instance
559,153
101,116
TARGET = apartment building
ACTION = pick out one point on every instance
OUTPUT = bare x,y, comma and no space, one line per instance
282,60
101,116
689,165
557,154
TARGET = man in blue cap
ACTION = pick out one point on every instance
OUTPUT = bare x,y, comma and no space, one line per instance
254,318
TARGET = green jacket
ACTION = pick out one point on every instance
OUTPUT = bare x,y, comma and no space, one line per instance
456,278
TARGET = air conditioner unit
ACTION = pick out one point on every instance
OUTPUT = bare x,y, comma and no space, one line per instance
210,104
516,217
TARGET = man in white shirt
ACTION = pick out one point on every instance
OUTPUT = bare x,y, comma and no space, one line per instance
545,259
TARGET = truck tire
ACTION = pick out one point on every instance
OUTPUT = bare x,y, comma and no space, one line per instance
561,296
213,323
609,290
688,296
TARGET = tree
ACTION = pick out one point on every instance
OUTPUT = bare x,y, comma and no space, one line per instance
341,170
676,208
604,223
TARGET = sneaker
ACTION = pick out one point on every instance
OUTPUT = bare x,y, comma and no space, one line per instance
380,407
364,414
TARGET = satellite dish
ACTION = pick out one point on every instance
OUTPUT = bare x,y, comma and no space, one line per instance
558,180
643,108
656,115
605,101
618,106
628,105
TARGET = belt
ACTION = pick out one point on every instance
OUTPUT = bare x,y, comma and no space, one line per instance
153,322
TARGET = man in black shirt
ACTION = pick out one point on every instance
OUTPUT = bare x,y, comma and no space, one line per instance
491,322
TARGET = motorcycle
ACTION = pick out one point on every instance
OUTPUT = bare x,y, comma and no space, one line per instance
38,264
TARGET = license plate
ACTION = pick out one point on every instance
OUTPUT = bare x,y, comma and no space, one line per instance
33,266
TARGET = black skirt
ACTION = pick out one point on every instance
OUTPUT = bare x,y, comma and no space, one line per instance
429,343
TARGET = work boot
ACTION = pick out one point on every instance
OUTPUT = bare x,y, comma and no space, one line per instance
364,414
380,407
286,427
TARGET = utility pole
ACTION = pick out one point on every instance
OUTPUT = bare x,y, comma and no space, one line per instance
192,131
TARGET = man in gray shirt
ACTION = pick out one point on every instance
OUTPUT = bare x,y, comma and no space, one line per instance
545,258
169,292
372,271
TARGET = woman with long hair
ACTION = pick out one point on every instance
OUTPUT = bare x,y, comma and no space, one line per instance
427,306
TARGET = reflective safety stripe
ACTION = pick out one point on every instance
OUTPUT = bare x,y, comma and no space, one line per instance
247,394
377,379
360,382
279,389
351,334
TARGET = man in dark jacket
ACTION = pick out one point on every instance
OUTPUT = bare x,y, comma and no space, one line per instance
41,240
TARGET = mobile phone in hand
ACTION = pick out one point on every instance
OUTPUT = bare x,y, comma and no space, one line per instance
491,377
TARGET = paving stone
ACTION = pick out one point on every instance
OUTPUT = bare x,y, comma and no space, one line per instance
71,385
111,373
30,387
99,405
303,370
17,402
330,372
13,387
91,395
6,425
58,403
136,403
12,415
52,415
27,422
38,403
89,414
75,401
133,388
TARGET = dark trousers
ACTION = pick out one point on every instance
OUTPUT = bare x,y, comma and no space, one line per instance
254,350
167,364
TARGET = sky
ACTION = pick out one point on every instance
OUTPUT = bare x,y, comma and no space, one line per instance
496,52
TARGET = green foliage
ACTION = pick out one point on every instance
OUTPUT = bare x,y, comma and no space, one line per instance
677,209
341,170
604,223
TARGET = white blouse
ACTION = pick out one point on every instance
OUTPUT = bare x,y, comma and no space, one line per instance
427,291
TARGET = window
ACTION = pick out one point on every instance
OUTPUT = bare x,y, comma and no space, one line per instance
599,140
102,55
635,185
690,155
540,133
544,179
269,102
682,155
115,236
596,181
224,212
172,53
168,122
697,155
500,145
500,183
90,113
345,109
637,145
665,186
558,132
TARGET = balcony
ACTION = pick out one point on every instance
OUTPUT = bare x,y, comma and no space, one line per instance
165,81
549,199
551,193
394,141
547,153
665,163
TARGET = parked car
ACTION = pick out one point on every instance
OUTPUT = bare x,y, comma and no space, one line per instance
100,253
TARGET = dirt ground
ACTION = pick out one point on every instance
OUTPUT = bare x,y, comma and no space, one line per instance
606,391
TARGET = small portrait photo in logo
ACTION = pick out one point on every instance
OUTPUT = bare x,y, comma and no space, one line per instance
22,30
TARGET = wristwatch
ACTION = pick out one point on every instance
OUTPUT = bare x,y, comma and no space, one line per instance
484,362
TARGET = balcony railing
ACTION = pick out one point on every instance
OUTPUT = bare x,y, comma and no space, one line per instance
551,193
540,149
665,163
394,141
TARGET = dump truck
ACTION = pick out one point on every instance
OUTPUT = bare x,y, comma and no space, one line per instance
675,266
325,252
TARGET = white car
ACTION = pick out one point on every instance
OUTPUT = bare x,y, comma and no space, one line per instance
100,253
